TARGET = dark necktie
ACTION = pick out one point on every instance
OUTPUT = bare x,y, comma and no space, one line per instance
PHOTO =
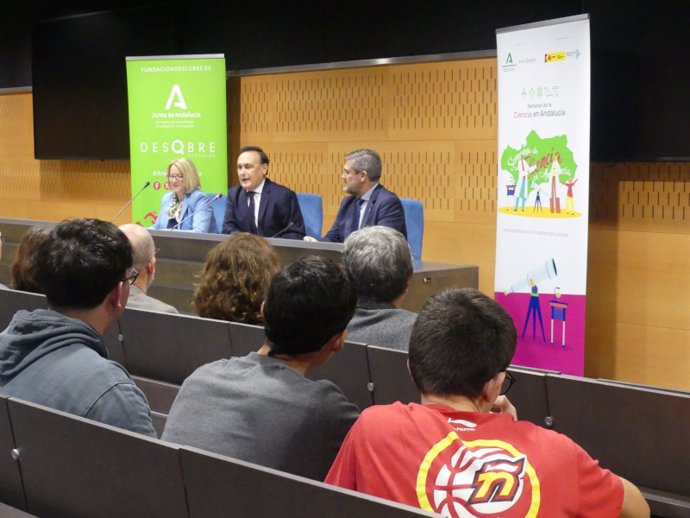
355,214
250,213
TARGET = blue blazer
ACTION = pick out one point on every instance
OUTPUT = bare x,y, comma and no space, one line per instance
279,212
202,221
384,208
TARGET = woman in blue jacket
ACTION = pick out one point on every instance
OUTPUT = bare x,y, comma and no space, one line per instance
179,207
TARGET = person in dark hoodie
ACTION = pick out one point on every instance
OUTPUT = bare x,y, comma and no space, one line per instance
56,357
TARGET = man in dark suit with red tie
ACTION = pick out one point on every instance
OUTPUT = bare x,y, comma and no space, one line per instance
369,202
258,205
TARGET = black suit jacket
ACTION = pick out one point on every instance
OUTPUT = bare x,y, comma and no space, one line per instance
279,213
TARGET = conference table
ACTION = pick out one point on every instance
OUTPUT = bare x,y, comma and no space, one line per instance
181,255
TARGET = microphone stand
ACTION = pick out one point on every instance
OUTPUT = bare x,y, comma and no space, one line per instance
130,201
205,205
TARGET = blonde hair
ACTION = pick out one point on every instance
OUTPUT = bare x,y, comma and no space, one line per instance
188,169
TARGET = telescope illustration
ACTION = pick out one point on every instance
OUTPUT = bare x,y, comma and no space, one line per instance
547,271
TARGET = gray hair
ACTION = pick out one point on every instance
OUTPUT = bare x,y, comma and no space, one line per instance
379,261
366,160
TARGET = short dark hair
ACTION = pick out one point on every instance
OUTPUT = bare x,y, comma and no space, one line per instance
308,302
379,261
81,262
461,340
262,154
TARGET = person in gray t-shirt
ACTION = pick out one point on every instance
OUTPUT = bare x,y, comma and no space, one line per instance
261,408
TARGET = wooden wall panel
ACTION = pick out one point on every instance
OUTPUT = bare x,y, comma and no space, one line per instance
52,189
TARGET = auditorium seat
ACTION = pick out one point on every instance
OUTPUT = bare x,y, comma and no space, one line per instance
311,206
7,511
113,342
245,338
11,489
414,222
159,394
349,370
529,396
76,467
168,347
218,207
12,301
637,432
390,378
218,486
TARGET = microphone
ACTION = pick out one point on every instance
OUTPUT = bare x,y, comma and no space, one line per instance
289,226
205,205
130,201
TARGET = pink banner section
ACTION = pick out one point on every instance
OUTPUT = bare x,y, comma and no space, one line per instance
551,330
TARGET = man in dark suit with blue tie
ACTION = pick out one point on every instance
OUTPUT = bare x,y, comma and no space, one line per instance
258,205
369,202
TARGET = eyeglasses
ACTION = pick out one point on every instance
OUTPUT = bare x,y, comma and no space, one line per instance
507,383
133,274
176,177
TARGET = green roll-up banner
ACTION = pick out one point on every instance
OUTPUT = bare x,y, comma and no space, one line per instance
177,108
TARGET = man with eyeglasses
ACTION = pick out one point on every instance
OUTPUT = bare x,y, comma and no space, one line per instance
462,452
56,357
145,265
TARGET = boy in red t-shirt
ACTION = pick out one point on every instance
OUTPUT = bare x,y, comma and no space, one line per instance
461,453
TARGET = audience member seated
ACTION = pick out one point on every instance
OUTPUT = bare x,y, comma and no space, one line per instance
56,357
186,207
259,205
145,265
22,276
380,263
369,203
462,452
2,286
234,279
261,408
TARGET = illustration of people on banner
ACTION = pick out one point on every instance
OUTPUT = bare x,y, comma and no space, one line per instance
540,167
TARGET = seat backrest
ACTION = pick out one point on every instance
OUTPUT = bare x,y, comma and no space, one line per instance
12,301
245,338
529,395
159,394
389,376
350,371
311,206
218,207
414,221
73,466
218,487
636,432
169,347
11,488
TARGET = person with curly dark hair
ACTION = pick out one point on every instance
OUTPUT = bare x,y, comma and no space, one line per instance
22,276
234,279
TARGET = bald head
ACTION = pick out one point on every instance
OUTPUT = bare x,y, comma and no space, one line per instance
142,244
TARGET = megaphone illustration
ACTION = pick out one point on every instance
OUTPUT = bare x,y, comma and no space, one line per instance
547,271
